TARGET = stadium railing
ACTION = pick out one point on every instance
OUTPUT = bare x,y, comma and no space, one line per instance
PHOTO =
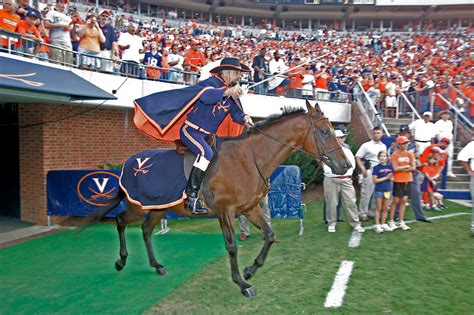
140,71
374,116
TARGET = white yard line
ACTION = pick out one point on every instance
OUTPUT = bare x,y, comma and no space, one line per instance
338,290
354,241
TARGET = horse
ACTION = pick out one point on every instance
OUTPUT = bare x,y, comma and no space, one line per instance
238,179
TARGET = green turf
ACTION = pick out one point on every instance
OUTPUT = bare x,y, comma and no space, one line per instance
69,274
428,270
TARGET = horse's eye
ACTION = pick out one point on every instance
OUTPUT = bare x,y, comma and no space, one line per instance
325,131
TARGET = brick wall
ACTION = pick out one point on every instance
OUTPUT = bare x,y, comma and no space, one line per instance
86,141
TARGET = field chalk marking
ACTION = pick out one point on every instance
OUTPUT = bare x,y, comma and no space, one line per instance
354,241
338,290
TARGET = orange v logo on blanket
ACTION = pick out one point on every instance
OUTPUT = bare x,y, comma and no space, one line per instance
141,168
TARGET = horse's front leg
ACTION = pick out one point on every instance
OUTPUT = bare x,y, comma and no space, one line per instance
153,218
255,216
227,226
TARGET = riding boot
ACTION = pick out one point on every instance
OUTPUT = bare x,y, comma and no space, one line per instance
192,190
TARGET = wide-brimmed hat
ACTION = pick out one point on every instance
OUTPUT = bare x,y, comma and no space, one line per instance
230,63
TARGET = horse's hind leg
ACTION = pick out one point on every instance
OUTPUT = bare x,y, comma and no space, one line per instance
227,226
147,227
131,214
255,216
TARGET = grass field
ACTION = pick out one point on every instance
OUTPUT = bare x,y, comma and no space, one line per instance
427,270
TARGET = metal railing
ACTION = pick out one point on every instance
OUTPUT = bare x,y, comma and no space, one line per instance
371,112
402,100
95,62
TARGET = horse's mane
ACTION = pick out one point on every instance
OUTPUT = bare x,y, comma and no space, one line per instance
270,120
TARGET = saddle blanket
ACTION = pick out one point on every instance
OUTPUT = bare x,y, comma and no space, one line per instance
154,179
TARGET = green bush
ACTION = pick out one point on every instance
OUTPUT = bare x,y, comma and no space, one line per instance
311,172
110,166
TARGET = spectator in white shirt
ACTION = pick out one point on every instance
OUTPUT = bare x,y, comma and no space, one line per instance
132,47
367,158
424,131
175,62
59,32
444,129
466,157
340,187
308,84
392,89
277,65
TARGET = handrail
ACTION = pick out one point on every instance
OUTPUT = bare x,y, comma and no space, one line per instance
460,93
457,111
413,109
377,118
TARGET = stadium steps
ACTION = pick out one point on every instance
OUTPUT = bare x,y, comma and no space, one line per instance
456,188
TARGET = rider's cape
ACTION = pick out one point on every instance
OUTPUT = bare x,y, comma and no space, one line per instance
161,115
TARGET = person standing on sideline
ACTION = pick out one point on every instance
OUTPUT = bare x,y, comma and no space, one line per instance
424,131
444,129
382,175
244,223
415,193
261,70
466,157
368,152
340,186
403,163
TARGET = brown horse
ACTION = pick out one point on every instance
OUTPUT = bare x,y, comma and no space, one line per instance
238,179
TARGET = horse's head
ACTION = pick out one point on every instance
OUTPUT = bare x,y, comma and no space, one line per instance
323,142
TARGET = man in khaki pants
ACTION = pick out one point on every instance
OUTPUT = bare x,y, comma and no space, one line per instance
244,223
336,186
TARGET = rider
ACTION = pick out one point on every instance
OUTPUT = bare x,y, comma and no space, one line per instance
207,114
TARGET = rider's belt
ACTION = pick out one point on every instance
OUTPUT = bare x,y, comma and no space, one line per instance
341,177
423,141
190,124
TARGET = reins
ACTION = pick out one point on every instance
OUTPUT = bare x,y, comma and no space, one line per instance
318,159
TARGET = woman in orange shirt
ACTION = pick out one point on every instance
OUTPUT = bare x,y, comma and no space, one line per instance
403,163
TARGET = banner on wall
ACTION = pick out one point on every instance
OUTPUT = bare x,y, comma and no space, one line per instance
84,192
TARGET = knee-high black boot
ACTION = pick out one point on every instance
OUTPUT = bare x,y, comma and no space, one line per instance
192,190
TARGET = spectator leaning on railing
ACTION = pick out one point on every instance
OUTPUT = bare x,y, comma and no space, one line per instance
132,46
58,24
91,37
29,30
9,21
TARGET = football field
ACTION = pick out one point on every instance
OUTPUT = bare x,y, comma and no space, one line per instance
429,269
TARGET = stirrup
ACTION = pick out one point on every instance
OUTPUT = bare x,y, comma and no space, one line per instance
193,207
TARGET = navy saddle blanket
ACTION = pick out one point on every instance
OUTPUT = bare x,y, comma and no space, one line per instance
154,179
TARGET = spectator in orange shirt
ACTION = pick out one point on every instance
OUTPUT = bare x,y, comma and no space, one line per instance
28,29
9,21
432,172
193,61
322,78
403,163
91,37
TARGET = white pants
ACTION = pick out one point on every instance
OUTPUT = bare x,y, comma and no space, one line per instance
422,146
366,191
107,65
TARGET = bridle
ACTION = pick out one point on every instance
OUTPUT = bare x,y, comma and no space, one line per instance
313,123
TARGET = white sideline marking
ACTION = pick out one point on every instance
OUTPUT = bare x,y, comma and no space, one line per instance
354,241
338,290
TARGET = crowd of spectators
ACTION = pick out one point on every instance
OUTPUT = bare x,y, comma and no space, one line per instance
331,62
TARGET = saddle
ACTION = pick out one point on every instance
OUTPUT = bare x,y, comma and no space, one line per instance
189,157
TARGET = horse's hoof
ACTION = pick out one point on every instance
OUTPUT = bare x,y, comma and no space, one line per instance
247,273
119,265
162,271
249,292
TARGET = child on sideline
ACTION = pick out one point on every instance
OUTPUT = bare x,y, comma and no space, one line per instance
403,163
432,172
382,175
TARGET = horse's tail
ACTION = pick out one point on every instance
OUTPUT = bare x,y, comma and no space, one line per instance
96,217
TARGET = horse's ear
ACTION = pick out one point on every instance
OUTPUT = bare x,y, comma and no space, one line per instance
317,108
309,107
